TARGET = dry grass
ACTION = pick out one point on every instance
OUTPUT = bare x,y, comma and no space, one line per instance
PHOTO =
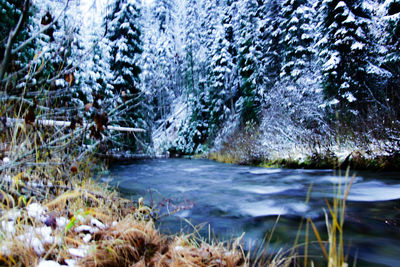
137,243
51,209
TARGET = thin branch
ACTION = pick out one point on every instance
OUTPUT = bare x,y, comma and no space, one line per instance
53,123
16,98
11,39
24,44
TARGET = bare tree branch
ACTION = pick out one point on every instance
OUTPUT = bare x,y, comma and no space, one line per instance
36,35
11,39
53,123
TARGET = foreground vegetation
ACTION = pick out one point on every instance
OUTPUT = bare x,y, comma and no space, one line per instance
53,211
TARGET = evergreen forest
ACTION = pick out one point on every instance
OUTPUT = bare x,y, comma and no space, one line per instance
250,80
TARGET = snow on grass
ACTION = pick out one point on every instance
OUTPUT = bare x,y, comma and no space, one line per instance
87,238
97,223
62,222
36,238
80,252
8,227
36,211
49,264
12,215
86,228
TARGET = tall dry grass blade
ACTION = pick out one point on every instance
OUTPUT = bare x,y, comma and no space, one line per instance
306,245
320,242
347,192
301,221
262,255
334,216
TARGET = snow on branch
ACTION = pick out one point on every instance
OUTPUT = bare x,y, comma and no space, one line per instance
54,123
34,36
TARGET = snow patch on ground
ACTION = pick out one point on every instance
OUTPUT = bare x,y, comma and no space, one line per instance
36,238
49,264
86,228
36,211
97,223
80,252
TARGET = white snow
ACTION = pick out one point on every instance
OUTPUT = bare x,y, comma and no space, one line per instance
357,46
37,237
80,218
332,62
5,248
97,223
164,136
48,264
12,214
179,248
373,69
36,211
86,228
62,222
340,5
345,85
87,238
8,227
80,252
334,102
349,96
350,19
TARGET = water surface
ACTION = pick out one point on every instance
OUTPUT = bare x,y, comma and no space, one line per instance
234,199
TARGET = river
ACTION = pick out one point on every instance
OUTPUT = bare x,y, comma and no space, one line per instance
233,199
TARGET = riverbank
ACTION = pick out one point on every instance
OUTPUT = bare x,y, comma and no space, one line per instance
250,148
354,160
56,212
47,221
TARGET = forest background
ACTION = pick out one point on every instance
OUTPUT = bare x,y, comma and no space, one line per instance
244,81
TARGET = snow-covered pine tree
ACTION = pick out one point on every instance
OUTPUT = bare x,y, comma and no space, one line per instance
194,131
98,77
297,39
249,102
230,23
126,48
219,94
192,45
346,54
269,41
392,57
161,55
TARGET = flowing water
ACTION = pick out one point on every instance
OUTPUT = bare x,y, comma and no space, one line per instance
234,199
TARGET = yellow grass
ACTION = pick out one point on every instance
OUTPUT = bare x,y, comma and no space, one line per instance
81,214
